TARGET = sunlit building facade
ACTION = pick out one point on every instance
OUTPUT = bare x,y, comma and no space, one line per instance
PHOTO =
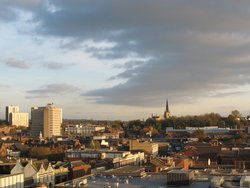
52,121
9,110
46,120
19,119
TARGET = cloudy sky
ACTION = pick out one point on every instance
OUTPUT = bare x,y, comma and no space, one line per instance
121,59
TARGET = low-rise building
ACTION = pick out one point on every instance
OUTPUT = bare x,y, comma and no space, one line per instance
156,165
117,158
130,159
61,172
86,130
78,169
94,154
105,136
208,130
129,170
180,177
37,172
245,181
12,180
146,146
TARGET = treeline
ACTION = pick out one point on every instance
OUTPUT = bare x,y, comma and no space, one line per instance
138,127
206,120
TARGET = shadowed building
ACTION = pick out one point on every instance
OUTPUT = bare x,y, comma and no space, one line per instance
36,126
180,177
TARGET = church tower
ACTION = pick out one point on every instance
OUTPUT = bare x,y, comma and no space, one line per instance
167,112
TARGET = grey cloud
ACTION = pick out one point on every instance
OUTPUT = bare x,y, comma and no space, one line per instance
193,46
55,65
126,75
8,8
130,70
226,94
22,4
130,64
15,63
181,81
52,89
6,14
70,43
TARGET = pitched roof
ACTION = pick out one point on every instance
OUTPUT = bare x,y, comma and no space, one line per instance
158,162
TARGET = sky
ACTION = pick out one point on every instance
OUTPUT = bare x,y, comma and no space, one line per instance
122,59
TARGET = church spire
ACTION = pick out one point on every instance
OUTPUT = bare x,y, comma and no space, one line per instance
167,109
167,112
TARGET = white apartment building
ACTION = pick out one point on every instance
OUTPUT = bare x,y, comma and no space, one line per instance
19,119
9,110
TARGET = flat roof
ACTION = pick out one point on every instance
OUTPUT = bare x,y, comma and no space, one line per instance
125,169
150,181
180,171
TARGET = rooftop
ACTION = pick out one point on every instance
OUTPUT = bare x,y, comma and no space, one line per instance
150,181
180,171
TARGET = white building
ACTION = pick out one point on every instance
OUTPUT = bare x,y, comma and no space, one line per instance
105,136
129,159
119,158
40,172
19,119
12,180
245,182
52,121
9,110
45,175
211,129
97,154
208,130
83,129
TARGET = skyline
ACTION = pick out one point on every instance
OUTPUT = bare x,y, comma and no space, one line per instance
121,60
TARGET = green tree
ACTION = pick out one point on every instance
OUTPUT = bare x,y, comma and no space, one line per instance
236,114
234,120
199,134
37,152
117,125
134,127
150,122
